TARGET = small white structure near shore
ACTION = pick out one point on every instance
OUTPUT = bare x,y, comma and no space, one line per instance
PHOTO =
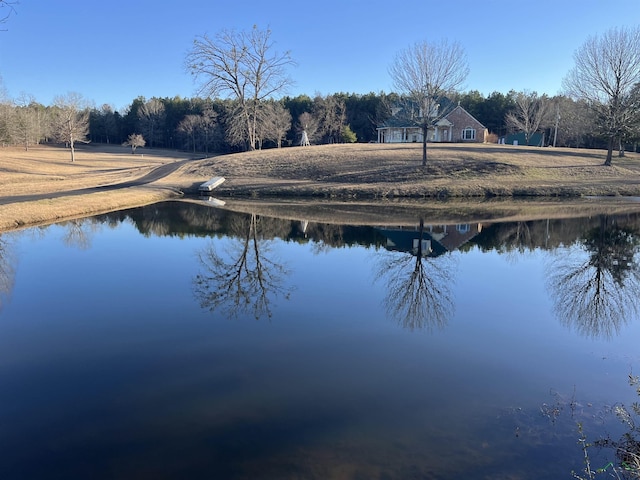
211,184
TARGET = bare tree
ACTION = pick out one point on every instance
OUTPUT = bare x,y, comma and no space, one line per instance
6,122
207,124
331,112
71,123
575,122
29,121
134,141
151,116
275,121
530,115
426,73
632,134
309,127
243,66
606,69
235,125
24,126
189,126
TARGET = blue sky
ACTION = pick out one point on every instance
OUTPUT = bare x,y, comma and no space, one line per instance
112,52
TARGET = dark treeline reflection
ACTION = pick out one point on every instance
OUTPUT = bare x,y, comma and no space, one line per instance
593,275
185,219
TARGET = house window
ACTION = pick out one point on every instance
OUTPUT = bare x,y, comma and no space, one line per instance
425,246
469,133
463,228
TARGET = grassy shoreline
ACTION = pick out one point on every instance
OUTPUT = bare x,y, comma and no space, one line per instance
42,186
395,171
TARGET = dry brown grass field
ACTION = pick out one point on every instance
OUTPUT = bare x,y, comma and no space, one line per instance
42,185
453,170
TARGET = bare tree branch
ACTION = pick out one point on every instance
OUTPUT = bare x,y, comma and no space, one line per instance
427,73
71,123
531,114
606,70
242,66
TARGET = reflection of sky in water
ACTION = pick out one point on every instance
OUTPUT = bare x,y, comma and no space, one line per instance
110,368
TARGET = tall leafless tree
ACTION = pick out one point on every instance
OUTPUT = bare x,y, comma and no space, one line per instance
24,121
308,126
6,122
426,73
71,123
151,117
244,67
275,122
207,124
575,122
531,114
189,126
607,67
332,115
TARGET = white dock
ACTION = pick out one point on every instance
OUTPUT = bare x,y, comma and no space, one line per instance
211,184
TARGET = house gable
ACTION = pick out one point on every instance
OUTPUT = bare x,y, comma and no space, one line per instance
465,127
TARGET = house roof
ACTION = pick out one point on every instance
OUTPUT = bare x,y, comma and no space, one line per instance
535,139
407,115
403,241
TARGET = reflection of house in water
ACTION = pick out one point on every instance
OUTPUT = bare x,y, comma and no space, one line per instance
436,239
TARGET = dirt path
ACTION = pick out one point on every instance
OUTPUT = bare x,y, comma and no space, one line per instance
154,175
41,186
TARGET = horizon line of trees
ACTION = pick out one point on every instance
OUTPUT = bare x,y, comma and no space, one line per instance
211,126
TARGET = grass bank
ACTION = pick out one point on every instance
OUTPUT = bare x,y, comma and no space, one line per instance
394,170
42,185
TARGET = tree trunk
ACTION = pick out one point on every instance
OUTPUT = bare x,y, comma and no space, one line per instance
425,130
620,148
607,162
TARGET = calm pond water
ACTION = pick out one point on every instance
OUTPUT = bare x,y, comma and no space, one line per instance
182,341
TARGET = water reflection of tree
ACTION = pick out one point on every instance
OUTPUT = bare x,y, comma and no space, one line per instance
244,279
417,287
79,233
7,270
596,294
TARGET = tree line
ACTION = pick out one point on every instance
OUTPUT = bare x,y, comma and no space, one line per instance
207,126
